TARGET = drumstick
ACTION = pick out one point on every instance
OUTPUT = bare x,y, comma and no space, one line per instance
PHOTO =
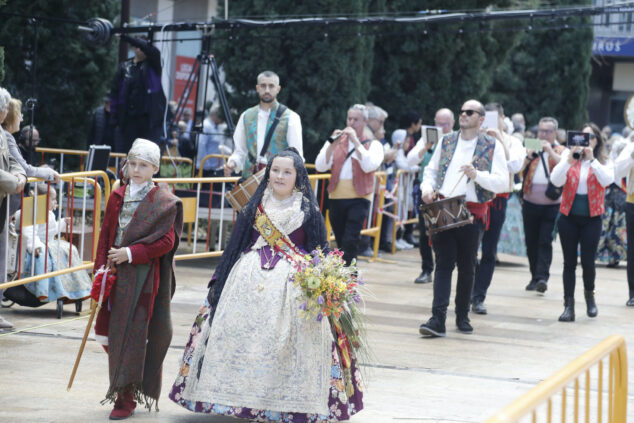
462,176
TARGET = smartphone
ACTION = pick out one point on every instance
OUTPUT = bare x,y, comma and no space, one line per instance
533,144
577,139
431,135
490,120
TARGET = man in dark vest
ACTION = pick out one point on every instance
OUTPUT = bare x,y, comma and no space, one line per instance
264,130
470,163
352,159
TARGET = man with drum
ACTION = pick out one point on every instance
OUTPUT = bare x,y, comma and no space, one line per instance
352,159
514,153
264,130
420,155
470,163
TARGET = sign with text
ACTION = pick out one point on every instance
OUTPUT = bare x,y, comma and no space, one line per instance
613,46
184,67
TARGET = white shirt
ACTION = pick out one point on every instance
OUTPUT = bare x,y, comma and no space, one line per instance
293,137
495,181
369,159
517,153
623,166
539,177
604,173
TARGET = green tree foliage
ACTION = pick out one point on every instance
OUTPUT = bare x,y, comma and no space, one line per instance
548,73
322,71
426,67
72,77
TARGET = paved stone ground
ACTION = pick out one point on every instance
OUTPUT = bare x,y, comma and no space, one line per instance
460,378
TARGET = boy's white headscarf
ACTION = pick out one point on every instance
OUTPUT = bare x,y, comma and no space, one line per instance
145,150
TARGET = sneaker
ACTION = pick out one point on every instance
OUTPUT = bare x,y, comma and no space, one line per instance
541,286
406,245
5,324
399,244
531,286
433,328
463,325
478,307
410,240
369,252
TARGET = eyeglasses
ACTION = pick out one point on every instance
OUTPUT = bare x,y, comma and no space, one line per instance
592,136
546,131
469,112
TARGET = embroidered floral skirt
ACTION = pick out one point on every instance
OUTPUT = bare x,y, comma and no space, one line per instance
613,241
340,406
512,234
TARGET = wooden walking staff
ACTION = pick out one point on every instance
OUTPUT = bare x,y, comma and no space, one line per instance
94,309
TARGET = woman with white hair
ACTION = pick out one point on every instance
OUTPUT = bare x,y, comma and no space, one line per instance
12,180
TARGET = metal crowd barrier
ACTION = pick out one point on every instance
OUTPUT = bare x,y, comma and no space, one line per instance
219,217
34,212
601,400
62,152
403,201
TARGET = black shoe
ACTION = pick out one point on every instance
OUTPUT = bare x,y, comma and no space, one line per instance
541,286
463,325
630,302
613,264
591,304
410,240
531,286
478,307
424,277
386,247
569,310
433,328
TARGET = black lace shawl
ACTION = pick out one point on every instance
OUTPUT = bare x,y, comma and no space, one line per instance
313,225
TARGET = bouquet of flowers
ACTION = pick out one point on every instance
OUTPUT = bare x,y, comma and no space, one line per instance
331,289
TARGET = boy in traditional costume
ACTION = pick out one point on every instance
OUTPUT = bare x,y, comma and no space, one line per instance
139,236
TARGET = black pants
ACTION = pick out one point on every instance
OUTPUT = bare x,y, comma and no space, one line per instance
574,232
427,258
346,218
539,222
484,270
455,247
629,221
135,127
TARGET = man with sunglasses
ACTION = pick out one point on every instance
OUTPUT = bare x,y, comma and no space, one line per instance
538,210
470,163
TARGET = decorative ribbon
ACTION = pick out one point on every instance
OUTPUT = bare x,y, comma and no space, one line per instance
278,242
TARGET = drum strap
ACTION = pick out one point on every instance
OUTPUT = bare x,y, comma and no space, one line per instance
269,134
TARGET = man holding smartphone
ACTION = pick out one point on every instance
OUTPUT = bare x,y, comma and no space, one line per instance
538,210
420,155
514,153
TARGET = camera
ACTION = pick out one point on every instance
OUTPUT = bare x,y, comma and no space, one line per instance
534,154
576,155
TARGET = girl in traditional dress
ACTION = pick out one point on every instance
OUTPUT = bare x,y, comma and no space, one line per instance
250,354
140,233
54,254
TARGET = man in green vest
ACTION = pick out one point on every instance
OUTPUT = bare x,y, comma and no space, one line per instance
264,130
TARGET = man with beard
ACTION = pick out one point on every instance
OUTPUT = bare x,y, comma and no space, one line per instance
264,130
470,163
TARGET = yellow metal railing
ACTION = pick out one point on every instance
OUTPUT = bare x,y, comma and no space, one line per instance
89,178
611,408
192,209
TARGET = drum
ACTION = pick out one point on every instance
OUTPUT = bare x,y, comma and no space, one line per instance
445,214
241,194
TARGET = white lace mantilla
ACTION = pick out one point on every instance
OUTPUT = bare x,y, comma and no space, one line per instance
259,353
286,215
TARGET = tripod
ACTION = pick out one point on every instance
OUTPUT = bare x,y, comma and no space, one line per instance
208,61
